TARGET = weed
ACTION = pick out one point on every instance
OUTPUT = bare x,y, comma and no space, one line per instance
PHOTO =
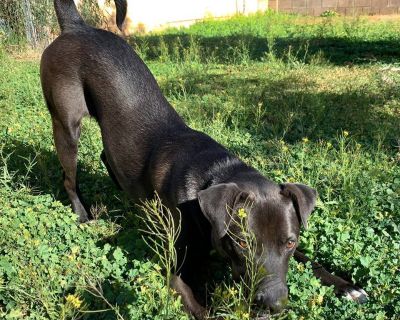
162,230
237,301
329,13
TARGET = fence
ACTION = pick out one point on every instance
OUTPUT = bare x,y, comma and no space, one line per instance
35,22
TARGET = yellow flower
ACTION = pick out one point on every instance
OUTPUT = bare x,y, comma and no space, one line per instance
329,144
232,291
316,300
74,301
143,289
246,315
305,139
345,133
75,249
300,267
157,267
242,213
27,235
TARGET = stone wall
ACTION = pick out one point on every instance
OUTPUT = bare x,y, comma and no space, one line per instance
346,7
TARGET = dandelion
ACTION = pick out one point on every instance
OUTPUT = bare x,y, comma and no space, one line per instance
345,133
305,140
74,301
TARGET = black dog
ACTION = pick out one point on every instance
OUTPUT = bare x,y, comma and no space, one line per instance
148,147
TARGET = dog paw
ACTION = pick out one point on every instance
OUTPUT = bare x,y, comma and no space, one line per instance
355,294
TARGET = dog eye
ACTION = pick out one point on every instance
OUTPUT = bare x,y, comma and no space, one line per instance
243,244
290,244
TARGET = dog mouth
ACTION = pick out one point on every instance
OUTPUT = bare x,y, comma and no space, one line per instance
272,295
273,305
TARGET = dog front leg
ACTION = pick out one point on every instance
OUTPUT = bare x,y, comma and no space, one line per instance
342,287
188,299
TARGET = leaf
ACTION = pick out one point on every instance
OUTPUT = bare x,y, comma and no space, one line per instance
365,261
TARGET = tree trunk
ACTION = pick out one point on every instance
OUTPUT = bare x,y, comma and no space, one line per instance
30,30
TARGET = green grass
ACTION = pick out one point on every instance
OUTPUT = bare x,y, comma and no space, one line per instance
338,40
310,100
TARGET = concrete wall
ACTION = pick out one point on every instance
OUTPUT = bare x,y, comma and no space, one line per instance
347,7
158,14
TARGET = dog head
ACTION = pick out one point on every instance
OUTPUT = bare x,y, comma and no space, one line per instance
273,215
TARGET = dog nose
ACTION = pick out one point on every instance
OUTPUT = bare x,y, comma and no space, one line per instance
274,298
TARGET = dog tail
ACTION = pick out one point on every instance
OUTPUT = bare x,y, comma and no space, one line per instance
121,7
69,18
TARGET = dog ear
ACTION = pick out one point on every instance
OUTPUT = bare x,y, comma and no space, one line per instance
303,198
215,202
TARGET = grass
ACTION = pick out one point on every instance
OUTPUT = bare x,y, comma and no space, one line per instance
312,100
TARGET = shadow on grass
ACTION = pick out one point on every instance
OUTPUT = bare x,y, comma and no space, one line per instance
46,175
295,106
294,110
337,50
97,188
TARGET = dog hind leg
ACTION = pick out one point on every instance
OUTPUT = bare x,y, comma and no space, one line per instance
110,173
67,108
